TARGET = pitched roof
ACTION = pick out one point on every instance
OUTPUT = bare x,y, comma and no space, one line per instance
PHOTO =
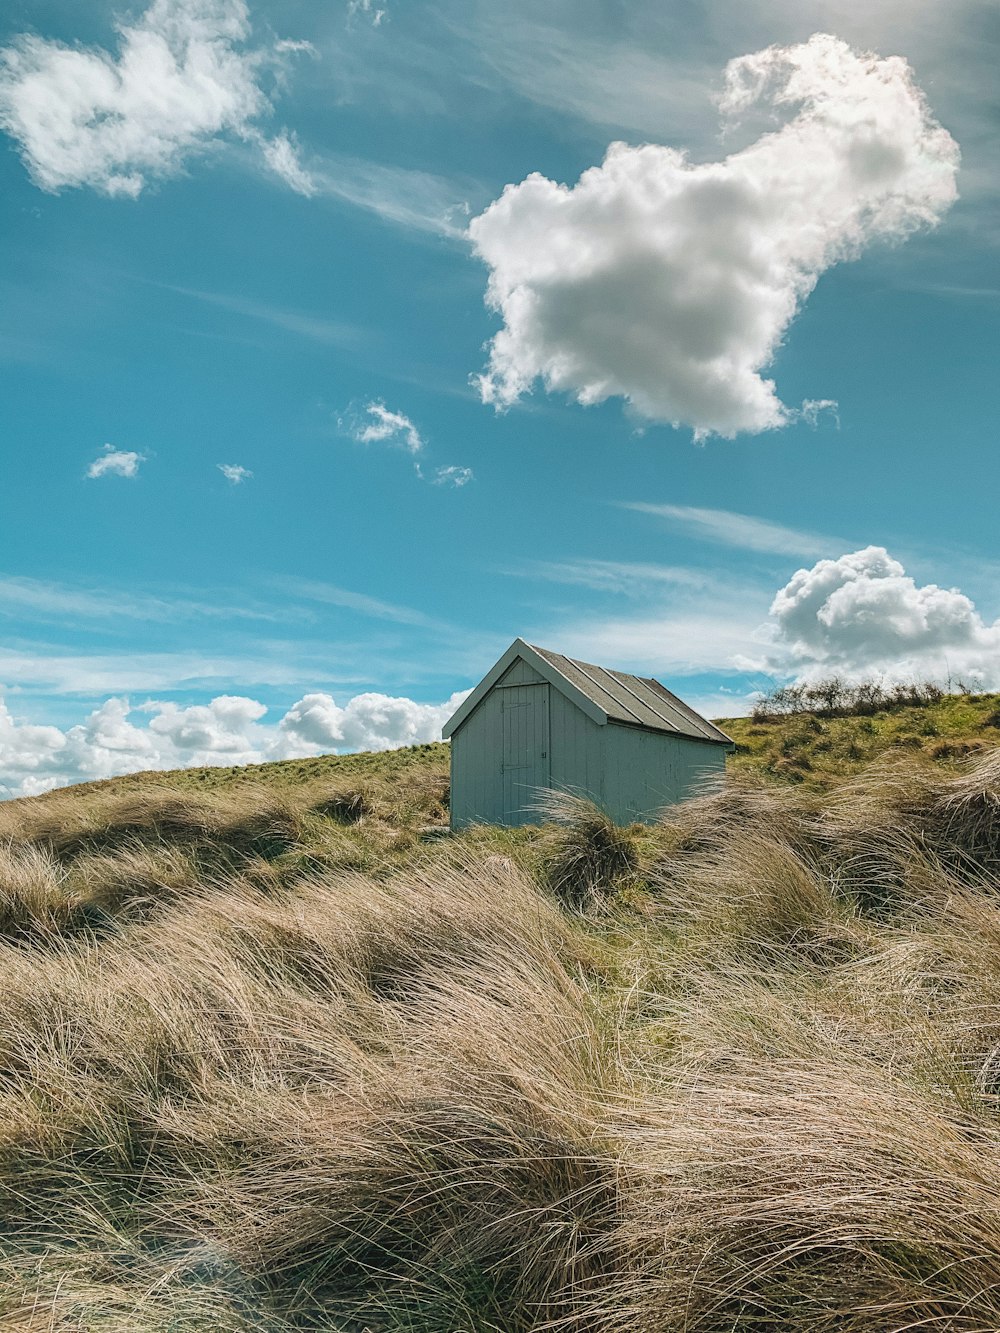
605,695
634,700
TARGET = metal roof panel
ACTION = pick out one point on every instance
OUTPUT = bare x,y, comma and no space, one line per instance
634,700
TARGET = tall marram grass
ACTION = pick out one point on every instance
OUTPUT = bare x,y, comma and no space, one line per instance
737,1072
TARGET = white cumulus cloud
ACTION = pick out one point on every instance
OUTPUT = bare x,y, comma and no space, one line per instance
220,732
119,738
235,472
672,283
862,614
115,462
29,754
182,80
367,722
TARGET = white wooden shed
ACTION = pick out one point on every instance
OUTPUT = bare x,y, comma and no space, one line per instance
539,721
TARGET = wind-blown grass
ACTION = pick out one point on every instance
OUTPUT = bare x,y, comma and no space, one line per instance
281,1056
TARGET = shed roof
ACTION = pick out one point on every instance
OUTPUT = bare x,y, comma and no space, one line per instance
605,695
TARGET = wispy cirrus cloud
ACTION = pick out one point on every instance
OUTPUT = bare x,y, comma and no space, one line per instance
673,640
318,328
623,577
34,599
39,598
743,531
656,619
330,594
404,196
283,155
53,670
607,73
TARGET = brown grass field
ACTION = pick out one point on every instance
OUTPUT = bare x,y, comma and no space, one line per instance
277,1053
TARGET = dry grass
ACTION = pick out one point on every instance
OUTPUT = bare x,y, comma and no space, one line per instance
273,1059
250,822
369,1101
805,1195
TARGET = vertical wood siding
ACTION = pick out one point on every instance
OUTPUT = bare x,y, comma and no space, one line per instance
646,771
520,673
476,756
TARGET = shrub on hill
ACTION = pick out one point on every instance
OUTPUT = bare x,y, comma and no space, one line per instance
836,697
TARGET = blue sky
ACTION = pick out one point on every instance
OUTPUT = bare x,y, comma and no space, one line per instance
727,418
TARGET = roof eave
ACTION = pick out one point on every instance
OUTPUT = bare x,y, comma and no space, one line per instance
720,739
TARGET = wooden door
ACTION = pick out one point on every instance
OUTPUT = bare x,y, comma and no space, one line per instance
525,762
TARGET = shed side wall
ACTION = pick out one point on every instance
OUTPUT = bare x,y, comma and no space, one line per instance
577,749
645,771
632,774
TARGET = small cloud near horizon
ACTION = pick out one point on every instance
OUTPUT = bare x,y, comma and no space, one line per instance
228,729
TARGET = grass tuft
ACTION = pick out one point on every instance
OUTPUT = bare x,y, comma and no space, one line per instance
587,858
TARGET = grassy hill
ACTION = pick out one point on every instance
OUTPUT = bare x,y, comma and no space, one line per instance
276,1053
816,747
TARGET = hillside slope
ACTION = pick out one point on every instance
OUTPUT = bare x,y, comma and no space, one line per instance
803,745
277,1054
